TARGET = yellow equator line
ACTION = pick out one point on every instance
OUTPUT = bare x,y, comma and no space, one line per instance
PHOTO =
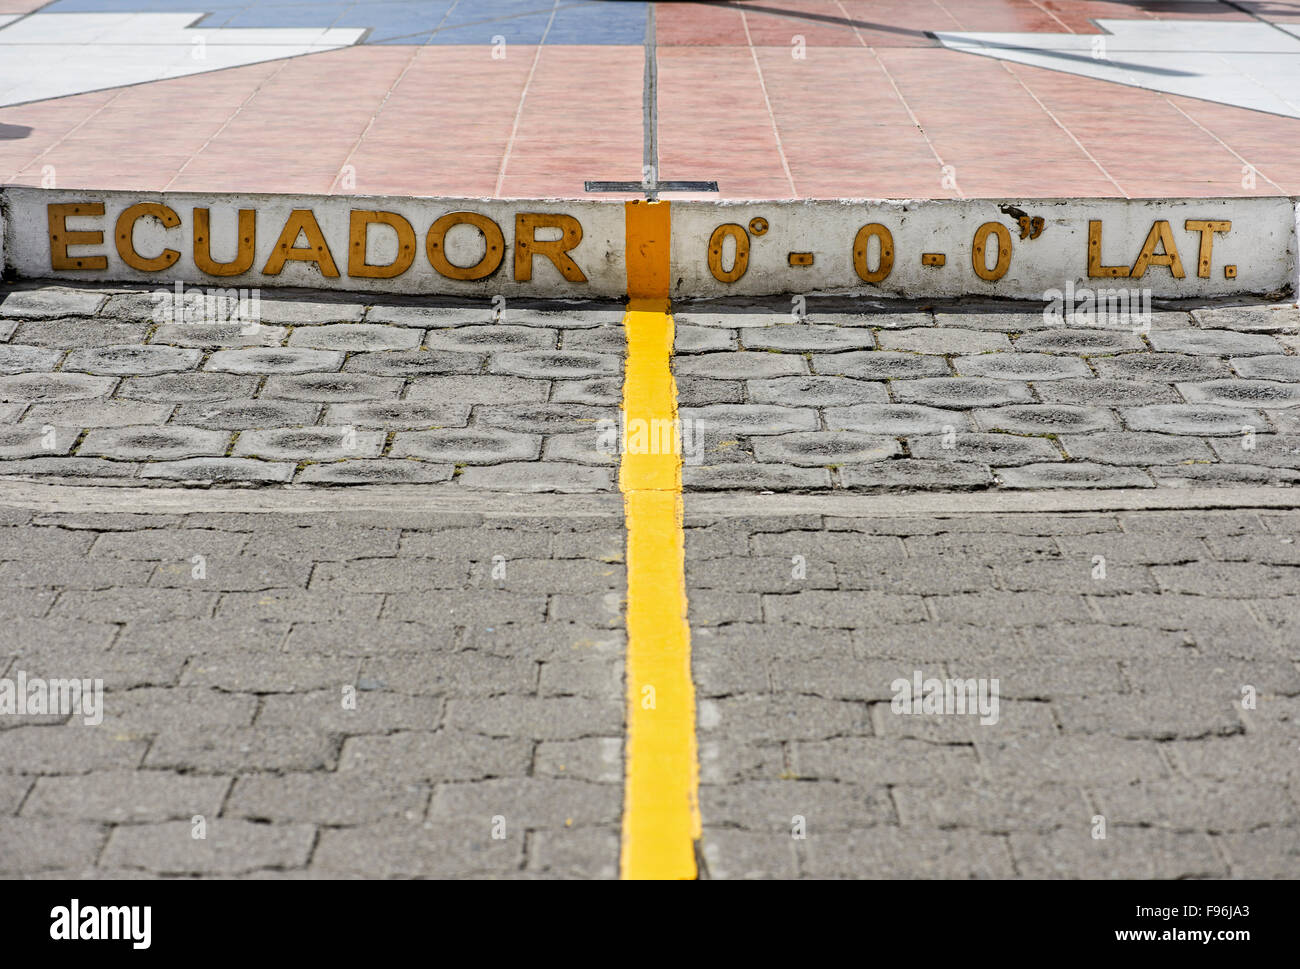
661,816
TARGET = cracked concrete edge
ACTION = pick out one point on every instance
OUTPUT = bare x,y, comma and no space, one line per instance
48,497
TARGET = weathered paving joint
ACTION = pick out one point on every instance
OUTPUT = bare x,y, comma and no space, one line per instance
1018,249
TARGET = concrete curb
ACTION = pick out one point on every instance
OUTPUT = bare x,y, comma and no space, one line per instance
1046,249
424,499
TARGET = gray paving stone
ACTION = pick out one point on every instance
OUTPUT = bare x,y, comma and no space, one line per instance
1106,392
1193,419
1021,366
1257,319
700,339
186,387
1045,419
843,610
926,475
808,337
267,360
35,845
1273,450
467,446
749,419
575,853
1183,475
52,301
329,799
999,450
309,444
1124,853
135,361
298,311
961,392
583,314
54,387
1230,580
1135,448
36,440
537,476
1160,367
585,447
881,365
22,359
704,391
415,850
398,415
239,415
943,340
1074,474
478,389
1085,760
495,338
527,802
11,413
1005,318
599,390
1249,393
219,469
68,467
375,472
71,749
415,363
332,387
895,419
1216,343
600,339
218,335
740,365
770,805
1268,368
355,336
774,477
158,443
1078,341
99,413
231,847
539,418
821,448
554,364
126,796
63,333
423,315
1264,853
816,391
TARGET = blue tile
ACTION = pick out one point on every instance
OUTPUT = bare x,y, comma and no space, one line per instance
409,21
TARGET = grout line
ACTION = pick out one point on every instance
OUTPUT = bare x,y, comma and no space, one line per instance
776,134
523,96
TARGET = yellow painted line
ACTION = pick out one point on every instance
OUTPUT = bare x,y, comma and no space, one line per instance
661,816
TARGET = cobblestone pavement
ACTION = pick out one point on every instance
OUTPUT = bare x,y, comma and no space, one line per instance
1120,697
854,395
335,682
363,694
317,393
869,396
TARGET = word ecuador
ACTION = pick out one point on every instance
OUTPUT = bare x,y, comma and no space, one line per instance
538,235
